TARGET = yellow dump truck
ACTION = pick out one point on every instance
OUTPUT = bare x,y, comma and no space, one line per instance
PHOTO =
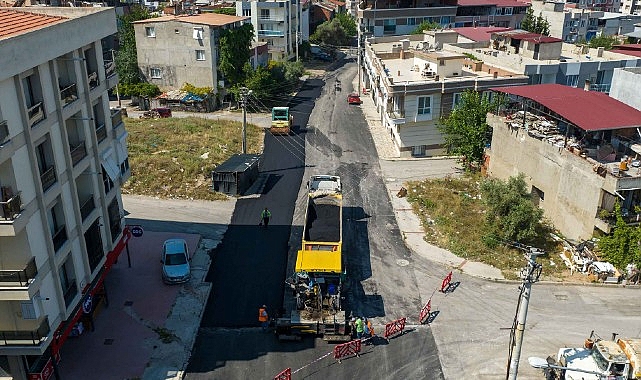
282,121
317,281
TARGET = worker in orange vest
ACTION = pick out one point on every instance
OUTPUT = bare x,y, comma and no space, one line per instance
263,317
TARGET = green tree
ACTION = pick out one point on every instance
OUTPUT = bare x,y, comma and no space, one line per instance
261,82
528,21
146,90
542,26
511,215
126,59
348,23
533,24
235,52
621,247
330,33
426,25
605,42
465,130
226,11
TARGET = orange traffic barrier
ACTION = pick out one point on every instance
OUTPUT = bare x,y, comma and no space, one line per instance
394,328
347,349
284,375
425,312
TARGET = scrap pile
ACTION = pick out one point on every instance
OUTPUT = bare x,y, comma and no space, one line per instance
536,126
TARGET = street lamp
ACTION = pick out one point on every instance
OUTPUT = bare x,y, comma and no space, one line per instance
544,364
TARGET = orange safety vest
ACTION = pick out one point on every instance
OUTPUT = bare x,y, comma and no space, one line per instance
262,315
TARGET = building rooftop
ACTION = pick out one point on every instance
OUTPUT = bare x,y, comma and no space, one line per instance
518,34
14,22
211,19
588,110
479,34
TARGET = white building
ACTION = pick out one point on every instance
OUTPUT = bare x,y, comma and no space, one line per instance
276,22
63,158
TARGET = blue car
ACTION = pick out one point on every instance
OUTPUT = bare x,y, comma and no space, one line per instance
175,262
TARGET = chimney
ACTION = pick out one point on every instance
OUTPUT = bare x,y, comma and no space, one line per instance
402,54
496,74
599,51
586,87
399,73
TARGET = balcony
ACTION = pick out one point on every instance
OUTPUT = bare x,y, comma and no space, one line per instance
68,94
101,132
271,33
78,152
59,238
48,178
93,80
26,338
600,87
116,118
11,207
36,113
271,19
4,133
110,67
87,207
396,117
19,278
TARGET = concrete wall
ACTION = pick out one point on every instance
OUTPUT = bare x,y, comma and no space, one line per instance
625,86
572,190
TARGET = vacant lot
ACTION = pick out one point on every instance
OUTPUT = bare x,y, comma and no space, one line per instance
453,217
173,158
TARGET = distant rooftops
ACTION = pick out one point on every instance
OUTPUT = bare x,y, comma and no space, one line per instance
211,19
479,34
498,3
628,49
588,110
523,35
14,22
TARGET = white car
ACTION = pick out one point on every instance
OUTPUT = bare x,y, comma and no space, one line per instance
175,262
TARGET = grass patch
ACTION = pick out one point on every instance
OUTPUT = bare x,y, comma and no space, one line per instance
453,216
174,157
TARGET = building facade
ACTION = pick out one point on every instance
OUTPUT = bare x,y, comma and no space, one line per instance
414,84
174,50
63,158
625,86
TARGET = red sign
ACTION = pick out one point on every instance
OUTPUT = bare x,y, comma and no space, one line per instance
45,374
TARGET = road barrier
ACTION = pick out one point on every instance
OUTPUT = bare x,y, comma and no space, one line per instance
284,375
446,282
347,349
425,312
394,328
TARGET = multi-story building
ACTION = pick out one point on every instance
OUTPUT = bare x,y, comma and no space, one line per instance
63,158
568,23
414,83
579,151
625,86
631,7
276,22
174,50
497,13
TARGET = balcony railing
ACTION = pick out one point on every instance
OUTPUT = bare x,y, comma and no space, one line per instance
11,207
600,87
110,67
4,133
48,178
116,118
87,207
68,94
93,80
59,238
78,152
36,113
101,132
275,19
26,338
271,33
21,277
70,293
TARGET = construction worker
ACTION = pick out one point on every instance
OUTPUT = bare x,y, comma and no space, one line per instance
359,327
263,317
265,216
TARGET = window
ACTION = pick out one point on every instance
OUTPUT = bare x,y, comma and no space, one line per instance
572,80
507,11
424,105
456,99
198,33
93,242
177,31
200,55
389,26
411,21
150,31
56,220
247,12
264,14
155,73
68,280
115,219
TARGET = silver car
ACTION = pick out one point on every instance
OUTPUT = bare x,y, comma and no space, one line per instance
175,262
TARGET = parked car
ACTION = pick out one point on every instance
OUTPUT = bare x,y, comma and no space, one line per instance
175,262
354,98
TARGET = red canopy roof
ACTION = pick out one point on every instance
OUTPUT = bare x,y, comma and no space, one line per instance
588,110
481,33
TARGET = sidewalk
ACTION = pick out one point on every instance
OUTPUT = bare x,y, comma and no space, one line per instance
408,223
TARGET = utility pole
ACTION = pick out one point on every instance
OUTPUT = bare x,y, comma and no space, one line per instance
530,275
358,51
243,101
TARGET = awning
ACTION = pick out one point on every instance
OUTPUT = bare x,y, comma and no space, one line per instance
110,165
319,261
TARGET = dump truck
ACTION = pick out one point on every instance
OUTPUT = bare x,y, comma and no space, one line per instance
317,281
282,121
598,359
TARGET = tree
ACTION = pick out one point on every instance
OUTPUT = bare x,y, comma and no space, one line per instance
348,23
511,215
621,247
605,42
261,82
145,90
533,24
226,11
528,21
465,130
126,59
542,26
235,52
330,33
426,25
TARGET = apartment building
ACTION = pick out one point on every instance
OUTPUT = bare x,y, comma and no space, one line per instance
597,5
631,7
63,158
174,50
414,82
276,22
579,150
625,86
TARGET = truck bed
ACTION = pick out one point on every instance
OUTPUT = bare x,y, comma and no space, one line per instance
323,222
